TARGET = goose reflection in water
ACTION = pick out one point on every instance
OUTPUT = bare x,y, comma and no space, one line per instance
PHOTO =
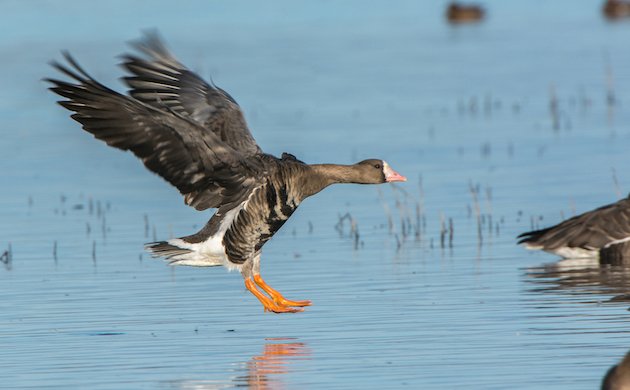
261,372
582,276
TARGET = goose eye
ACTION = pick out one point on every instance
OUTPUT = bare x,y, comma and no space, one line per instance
377,166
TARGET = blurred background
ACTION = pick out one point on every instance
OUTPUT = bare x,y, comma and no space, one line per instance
507,117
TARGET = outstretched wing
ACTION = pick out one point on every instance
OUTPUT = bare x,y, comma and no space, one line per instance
163,82
206,170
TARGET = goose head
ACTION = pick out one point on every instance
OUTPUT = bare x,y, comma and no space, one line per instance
374,171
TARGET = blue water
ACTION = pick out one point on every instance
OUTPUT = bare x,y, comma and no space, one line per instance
458,110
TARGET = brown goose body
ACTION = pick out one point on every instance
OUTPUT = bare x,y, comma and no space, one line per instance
194,135
603,232
237,232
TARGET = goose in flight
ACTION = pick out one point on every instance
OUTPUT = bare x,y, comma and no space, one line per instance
193,134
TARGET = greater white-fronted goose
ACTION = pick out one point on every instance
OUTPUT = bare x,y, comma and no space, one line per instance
603,233
193,134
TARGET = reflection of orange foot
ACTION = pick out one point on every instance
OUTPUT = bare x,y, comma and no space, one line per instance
275,305
265,371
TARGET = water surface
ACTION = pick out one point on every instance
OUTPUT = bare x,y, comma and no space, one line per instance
504,126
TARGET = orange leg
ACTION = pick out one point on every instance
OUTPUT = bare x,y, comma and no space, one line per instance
276,296
266,302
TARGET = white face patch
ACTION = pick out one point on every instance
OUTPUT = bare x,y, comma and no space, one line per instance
387,171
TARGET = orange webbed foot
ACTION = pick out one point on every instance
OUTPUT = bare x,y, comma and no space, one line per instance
276,296
269,304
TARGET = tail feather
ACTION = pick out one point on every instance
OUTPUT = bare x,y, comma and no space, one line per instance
176,255
533,238
164,249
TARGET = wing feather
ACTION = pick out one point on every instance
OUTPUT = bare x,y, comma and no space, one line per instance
206,170
592,230
162,81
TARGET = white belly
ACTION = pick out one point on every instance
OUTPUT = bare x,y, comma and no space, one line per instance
576,253
208,253
566,252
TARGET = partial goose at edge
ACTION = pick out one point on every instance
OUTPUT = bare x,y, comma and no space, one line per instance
602,233
618,376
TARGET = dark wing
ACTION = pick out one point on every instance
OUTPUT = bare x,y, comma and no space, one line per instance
592,230
207,171
162,82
